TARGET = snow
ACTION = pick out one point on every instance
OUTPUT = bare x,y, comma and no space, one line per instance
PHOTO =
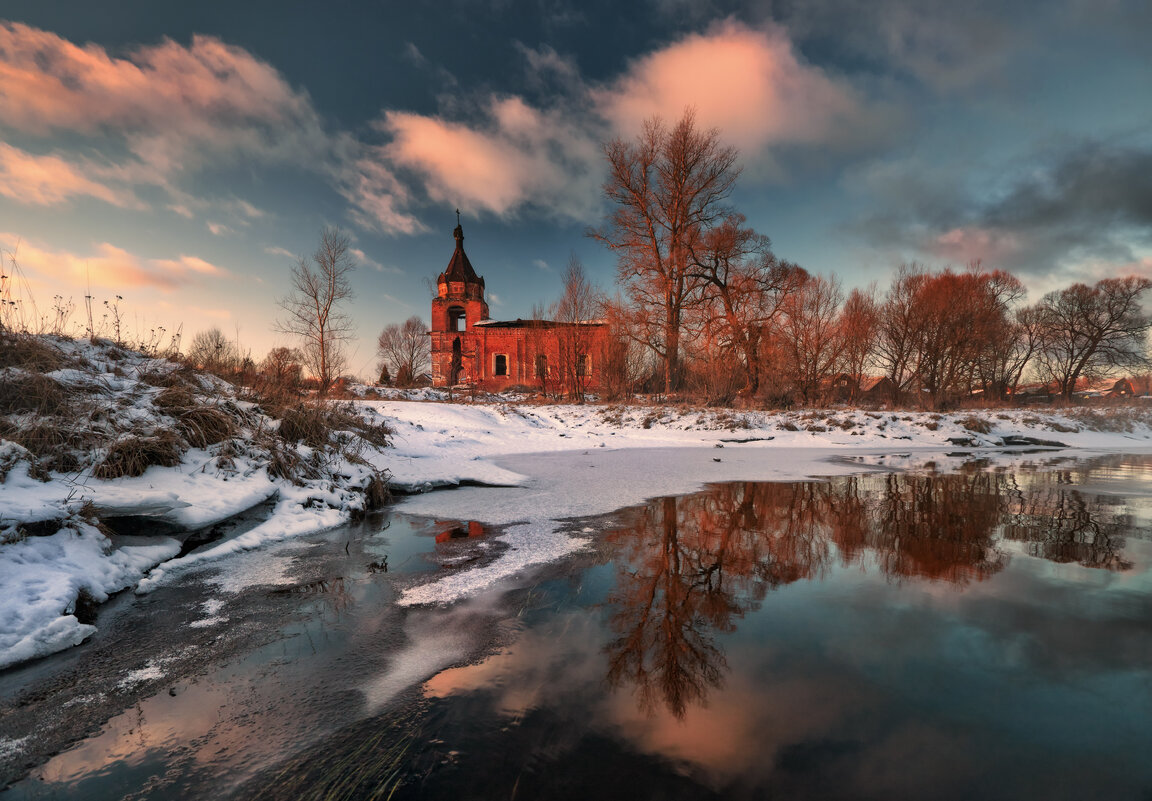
41,577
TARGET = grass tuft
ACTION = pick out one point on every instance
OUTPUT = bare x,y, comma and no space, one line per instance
131,456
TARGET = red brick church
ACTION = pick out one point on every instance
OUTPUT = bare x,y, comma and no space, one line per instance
470,348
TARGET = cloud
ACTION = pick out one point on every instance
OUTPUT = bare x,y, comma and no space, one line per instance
514,156
154,114
366,260
379,199
412,53
945,46
169,101
108,266
749,83
541,265
219,229
274,250
1075,214
49,180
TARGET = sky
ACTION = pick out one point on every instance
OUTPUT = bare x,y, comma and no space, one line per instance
184,156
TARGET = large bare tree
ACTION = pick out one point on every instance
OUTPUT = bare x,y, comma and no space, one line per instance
1089,330
743,290
312,310
406,349
667,189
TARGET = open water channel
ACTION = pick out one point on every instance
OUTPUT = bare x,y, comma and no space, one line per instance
979,633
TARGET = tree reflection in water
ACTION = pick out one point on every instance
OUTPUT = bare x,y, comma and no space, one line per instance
690,567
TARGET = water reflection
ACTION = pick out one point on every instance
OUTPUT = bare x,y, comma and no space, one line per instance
690,567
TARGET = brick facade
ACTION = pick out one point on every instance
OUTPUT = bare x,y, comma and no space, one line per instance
470,348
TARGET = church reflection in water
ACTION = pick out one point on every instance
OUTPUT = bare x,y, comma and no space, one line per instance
690,567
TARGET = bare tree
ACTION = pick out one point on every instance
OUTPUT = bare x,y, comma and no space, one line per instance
667,188
282,367
743,288
899,327
859,324
405,349
1089,330
812,337
623,361
211,350
579,304
312,309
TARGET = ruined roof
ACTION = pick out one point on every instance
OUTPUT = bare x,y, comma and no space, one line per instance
459,268
518,323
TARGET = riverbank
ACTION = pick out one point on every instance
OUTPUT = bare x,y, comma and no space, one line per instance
110,458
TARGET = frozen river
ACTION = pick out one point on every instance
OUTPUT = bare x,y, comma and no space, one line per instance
896,630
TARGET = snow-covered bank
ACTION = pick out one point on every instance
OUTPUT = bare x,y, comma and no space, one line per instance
93,433
591,460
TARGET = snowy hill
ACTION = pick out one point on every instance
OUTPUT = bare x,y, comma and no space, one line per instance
92,434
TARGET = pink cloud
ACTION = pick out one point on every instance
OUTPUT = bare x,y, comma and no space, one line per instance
378,198
748,83
171,103
48,180
515,155
966,244
107,267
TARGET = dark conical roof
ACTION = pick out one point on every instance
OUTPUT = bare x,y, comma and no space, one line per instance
459,268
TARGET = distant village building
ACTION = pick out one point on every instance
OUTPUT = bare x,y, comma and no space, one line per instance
844,387
470,348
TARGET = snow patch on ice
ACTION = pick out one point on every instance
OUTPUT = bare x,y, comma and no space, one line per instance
41,578
289,519
207,622
11,747
530,544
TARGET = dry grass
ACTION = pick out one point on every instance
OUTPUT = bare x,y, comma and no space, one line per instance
31,392
175,396
29,352
131,456
976,424
204,425
53,442
1123,419
317,424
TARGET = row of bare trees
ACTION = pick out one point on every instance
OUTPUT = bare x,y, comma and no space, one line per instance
710,307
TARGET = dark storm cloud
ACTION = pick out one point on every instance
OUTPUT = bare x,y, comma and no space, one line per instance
1093,185
1079,210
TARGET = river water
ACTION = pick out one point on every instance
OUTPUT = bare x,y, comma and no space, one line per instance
980,633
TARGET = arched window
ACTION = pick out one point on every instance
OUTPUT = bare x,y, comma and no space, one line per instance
501,364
